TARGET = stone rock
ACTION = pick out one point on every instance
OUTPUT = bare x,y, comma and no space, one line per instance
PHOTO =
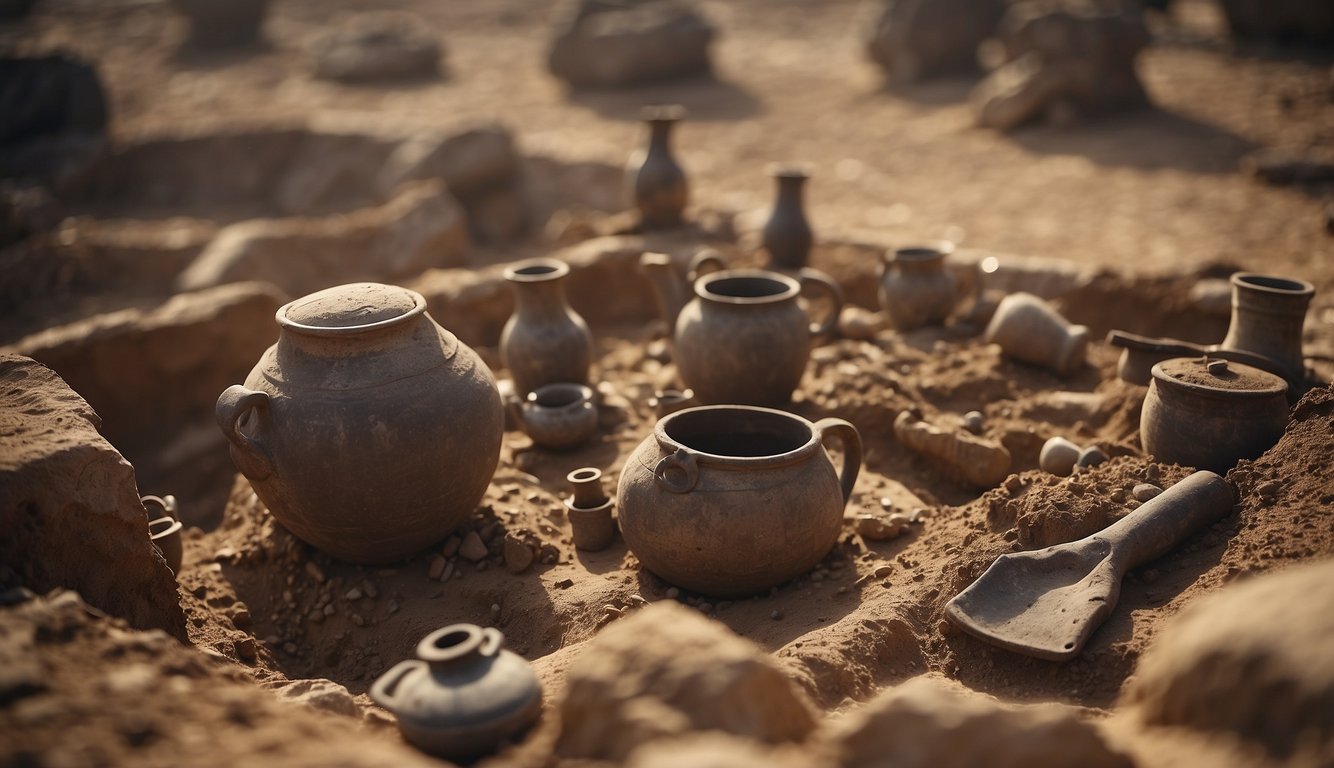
1252,661
518,555
861,324
1091,456
872,528
664,671
1143,492
420,228
376,46
318,693
1059,456
974,422
1282,21
472,548
1063,59
611,43
476,160
70,507
716,750
930,723
916,39
217,24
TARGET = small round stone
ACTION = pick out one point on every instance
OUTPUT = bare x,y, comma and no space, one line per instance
1058,456
1142,492
973,421
1091,456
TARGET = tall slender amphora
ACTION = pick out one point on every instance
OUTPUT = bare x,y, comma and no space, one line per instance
787,236
660,187
1267,317
545,341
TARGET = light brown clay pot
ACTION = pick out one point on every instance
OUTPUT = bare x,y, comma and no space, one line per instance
659,183
368,430
1028,329
589,510
1209,414
558,416
745,338
915,287
731,500
463,696
787,235
1267,317
544,341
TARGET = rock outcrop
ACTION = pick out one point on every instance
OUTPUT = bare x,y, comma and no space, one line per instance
917,39
610,43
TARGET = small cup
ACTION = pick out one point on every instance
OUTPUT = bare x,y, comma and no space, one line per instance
589,510
558,416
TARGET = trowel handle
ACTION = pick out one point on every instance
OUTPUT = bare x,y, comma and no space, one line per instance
1161,523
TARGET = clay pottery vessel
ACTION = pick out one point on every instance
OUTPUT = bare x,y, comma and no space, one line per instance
659,183
544,341
731,500
463,696
223,23
671,289
668,401
558,416
915,287
368,430
1267,317
1029,329
165,530
745,338
1209,414
589,510
787,235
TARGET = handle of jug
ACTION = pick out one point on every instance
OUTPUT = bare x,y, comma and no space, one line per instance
851,440
250,453
682,463
814,277
383,690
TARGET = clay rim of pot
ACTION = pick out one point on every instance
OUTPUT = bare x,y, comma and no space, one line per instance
662,113
798,170
714,420
1253,383
1284,286
560,396
920,253
172,526
537,271
754,286
457,641
337,316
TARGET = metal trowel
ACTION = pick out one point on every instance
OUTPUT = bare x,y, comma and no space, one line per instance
1047,603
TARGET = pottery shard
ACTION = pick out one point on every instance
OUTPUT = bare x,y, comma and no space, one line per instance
931,723
1251,660
472,548
69,505
376,46
419,228
665,671
915,39
626,42
977,461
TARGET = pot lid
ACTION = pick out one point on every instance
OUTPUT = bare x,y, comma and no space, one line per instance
1218,377
355,305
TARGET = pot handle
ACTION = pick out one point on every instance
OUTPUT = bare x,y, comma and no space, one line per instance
817,278
492,639
852,451
686,463
251,455
383,690
705,262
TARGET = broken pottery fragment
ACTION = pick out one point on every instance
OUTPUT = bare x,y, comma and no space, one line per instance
977,461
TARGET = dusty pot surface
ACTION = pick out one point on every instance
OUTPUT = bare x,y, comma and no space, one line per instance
1267,317
745,338
558,416
463,695
368,430
544,341
915,287
731,500
787,235
660,188
1209,414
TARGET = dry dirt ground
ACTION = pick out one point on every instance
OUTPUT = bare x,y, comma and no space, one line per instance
1154,197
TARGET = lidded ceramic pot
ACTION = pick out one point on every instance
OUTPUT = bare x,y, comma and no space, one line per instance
545,341
1209,414
731,500
745,337
463,696
369,431
915,287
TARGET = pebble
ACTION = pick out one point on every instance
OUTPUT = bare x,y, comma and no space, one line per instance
565,583
241,618
1058,456
673,593
370,590
974,422
437,568
875,529
638,599
451,546
1144,491
315,572
518,555
329,610
392,607
776,614
356,619
1268,488
353,594
1091,456
884,571
245,649
472,547
495,608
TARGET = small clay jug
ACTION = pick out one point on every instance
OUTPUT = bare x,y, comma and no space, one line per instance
787,235
671,290
660,188
369,431
463,696
745,338
223,23
589,510
558,416
1029,329
1267,317
1209,414
165,530
544,341
915,287
731,500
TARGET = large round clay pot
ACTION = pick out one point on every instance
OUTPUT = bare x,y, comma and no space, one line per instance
545,341
915,287
731,500
745,338
463,696
1209,414
368,430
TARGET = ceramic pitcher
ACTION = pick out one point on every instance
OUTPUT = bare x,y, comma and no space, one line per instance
545,341
659,183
